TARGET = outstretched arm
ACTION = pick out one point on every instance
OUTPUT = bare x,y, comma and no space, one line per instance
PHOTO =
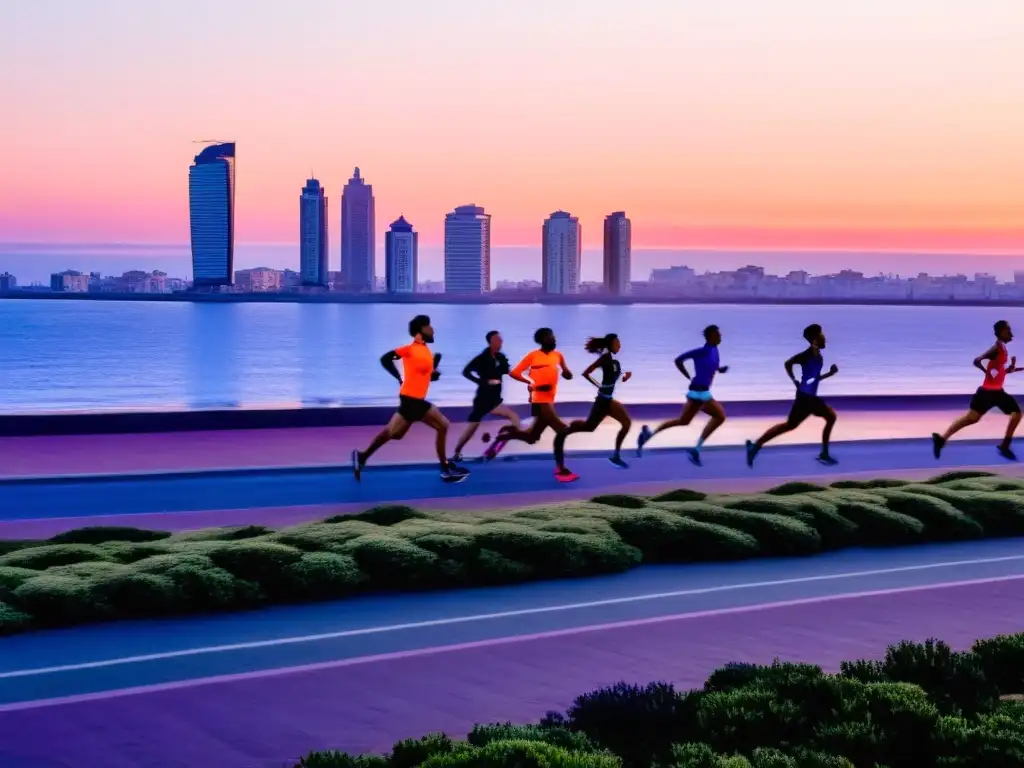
387,360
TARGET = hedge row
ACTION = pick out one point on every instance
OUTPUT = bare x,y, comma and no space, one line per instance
922,706
94,574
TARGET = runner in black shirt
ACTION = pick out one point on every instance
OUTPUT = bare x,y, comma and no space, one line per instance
486,371
605,404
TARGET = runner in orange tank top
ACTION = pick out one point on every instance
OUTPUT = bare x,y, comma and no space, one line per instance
540,370
419,369
990,394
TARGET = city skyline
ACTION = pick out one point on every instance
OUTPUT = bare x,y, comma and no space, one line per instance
736,125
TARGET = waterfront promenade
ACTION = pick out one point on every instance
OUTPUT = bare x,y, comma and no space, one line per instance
258,689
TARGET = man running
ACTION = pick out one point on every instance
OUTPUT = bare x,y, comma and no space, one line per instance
699,397
605,403
419,368
539,370
486,370
807,402
990,394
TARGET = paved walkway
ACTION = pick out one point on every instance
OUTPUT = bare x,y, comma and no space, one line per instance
326,446
256,690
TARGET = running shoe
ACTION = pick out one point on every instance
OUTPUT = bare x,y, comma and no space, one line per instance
694,456
938,443
453,473
495,448
826,460
618,462
357,466
1006,453
641,441
565,475
752,449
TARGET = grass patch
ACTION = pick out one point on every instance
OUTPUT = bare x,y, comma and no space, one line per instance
923,706
102,573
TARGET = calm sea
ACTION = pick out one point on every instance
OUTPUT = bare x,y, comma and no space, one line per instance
74,355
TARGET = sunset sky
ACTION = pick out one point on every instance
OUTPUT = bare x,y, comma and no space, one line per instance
889,124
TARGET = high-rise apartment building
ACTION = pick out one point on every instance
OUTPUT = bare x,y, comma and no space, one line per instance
211,206
358,244
561,253
467,250
313,234
618,256
401,257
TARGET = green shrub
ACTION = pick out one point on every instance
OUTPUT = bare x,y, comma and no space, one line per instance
1002,662
555,555
47,556
59,600
133,594
999,514
520,754
11,578
876,525
794,488
335,759
262,562
777,534
681,494
557,735
202,585
882,482
12,620
696,755
639,724
815,510
384,515
99,534
13,545
316,537
233,533
942,521
325,575
959,474
128,552
664,537
412,753
392,562
621,500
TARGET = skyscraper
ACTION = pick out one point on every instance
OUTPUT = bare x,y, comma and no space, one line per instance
618,257
313,234
358,243
401,257
211,207
467,250
561,253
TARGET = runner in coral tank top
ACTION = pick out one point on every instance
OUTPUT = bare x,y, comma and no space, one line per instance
996,363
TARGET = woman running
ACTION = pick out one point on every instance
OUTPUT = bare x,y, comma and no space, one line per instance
605,404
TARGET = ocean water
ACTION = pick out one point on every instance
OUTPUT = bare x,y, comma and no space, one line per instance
90,355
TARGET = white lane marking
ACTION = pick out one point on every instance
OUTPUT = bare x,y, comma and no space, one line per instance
498,615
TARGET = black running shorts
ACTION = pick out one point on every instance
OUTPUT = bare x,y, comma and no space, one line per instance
807,405
985,400
413,409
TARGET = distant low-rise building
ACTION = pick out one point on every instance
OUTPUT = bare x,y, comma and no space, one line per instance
69,281
258,280
8,282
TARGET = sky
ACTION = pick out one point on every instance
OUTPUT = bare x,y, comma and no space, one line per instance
733,124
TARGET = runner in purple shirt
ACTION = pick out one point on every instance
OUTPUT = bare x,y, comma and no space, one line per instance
706,364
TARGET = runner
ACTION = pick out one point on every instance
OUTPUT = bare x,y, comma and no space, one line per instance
419,367
990,394
807,402
539,370
699,397
485,370
605,403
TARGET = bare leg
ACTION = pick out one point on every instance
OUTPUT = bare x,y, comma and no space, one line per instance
716,413
507,413
395,430
1011,427
969,418
620,414
592,422
826,433
466,436
439,423
691,409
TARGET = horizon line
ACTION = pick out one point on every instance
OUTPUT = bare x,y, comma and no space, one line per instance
766,249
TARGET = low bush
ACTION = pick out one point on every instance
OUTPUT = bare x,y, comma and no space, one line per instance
100,573
923,706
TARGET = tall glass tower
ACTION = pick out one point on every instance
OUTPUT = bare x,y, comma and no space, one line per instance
211,206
